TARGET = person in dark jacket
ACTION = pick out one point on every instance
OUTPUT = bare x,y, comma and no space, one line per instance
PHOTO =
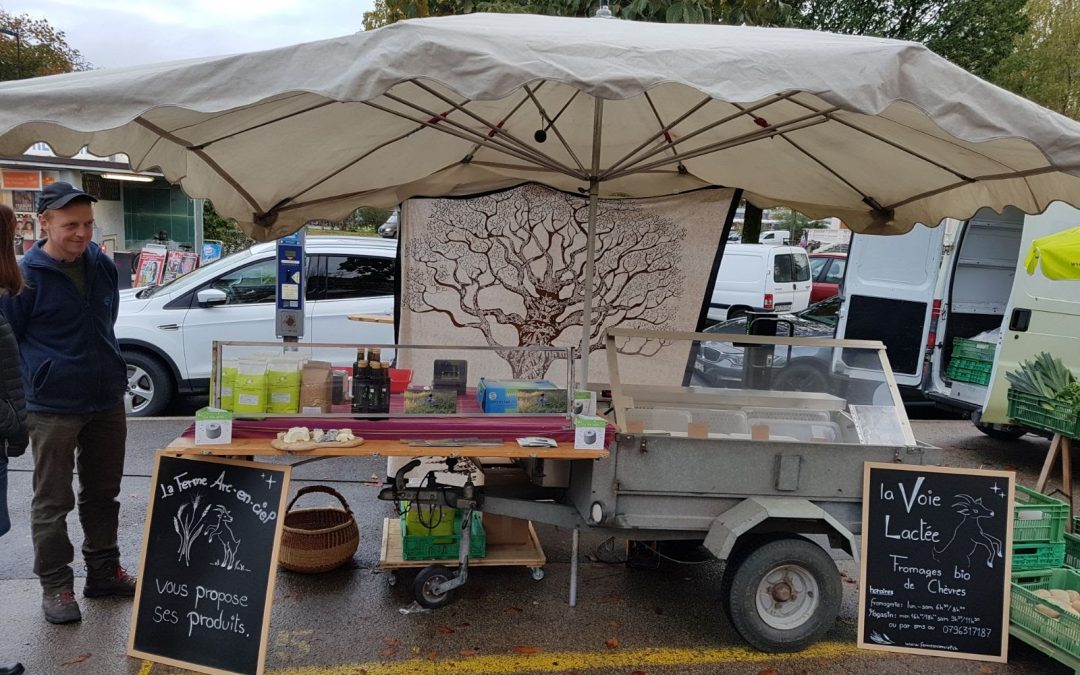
13,438
74,379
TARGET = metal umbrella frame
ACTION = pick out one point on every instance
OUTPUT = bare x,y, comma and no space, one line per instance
881,133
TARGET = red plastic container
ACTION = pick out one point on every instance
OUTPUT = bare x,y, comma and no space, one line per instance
399,380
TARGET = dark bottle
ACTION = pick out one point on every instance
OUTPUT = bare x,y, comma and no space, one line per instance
361,402
374,387
384,388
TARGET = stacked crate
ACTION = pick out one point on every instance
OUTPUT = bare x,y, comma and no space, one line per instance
1038,531
1040,547
971,361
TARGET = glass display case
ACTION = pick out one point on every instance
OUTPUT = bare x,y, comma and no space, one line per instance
269,379
761,388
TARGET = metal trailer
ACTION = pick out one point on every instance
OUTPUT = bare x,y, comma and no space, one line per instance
753,503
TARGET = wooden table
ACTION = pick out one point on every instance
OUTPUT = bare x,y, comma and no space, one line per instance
1061,445
382,448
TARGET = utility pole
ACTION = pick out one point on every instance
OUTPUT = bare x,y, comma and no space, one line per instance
18,50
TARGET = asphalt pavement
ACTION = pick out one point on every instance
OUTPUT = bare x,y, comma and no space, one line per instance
627,621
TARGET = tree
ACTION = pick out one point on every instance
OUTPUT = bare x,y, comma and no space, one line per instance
36,49
756,12
1045,67
974,34
226,231
528,244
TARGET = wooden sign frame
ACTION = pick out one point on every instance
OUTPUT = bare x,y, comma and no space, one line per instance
285,471
864,582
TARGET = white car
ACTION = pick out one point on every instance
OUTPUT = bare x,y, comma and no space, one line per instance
166,332
760,277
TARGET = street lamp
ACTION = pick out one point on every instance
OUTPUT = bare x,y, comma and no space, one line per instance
18,50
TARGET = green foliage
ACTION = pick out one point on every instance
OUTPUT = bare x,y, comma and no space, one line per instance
363,219
755,12
795,223
974,34
224,230
39,49
1045,66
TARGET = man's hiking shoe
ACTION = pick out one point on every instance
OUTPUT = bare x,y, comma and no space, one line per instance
60,607
110,580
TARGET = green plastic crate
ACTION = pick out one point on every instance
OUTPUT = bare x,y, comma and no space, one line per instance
974,350
443,547
1072,550
1062,632
969,370
1038,519
1028,556
1044,413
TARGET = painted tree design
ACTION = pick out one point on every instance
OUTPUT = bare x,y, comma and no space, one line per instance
528,245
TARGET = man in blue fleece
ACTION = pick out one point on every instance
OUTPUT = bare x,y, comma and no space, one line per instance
75,380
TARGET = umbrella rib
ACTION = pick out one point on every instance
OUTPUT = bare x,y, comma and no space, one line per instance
553,127
989,177
660,149
822,164
667,135
805,121
225,113
504,120
169,136
260,125
466,134
525,147
879,137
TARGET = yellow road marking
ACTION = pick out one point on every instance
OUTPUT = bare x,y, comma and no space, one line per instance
559,662
147,666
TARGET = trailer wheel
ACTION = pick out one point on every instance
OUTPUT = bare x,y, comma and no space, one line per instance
785,595
424,586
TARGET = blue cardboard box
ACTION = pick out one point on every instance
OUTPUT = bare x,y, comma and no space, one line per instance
538,396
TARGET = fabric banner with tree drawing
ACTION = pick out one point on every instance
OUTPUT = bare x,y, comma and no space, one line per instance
507,269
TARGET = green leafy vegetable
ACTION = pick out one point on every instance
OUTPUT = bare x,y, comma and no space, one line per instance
1046,376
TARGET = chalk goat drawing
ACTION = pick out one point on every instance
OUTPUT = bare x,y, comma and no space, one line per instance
880,638
188,526
969,530
229,543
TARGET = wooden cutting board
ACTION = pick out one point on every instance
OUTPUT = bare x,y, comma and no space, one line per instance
279,444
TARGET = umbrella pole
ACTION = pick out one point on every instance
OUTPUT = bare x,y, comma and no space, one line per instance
590,244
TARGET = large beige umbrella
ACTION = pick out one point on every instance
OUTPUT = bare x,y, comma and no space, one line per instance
879,132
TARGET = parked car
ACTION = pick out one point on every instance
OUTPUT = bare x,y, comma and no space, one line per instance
827,272
719,364
389,229
166,332
760,277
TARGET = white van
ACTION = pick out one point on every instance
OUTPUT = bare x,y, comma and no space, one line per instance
916,297
756,277
775,237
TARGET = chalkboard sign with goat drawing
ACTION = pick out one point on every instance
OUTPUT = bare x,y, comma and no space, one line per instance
936,561
209,560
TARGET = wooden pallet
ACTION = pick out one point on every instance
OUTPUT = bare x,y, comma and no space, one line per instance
510,542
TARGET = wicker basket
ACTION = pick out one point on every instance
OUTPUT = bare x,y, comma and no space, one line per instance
318,539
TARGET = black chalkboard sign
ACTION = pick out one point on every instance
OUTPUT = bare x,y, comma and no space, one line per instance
209,559
936,558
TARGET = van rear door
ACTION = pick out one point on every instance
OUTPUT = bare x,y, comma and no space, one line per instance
1043,315
888,295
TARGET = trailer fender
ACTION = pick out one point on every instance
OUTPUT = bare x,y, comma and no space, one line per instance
766,514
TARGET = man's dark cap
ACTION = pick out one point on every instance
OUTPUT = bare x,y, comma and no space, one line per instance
58,195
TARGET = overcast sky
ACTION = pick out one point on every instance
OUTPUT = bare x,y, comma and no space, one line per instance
112,33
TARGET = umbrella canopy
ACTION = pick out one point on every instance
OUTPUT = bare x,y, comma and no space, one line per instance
1058,253
881,133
